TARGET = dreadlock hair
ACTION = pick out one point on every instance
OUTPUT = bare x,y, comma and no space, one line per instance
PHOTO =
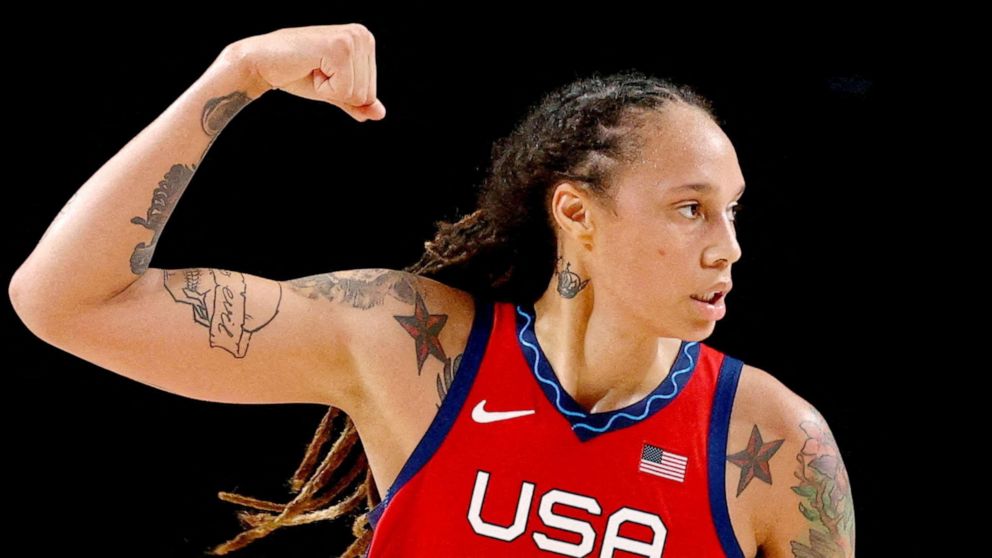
584,132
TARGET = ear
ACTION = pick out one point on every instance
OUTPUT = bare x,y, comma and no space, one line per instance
570,204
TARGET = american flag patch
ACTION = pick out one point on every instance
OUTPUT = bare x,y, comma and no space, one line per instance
663,463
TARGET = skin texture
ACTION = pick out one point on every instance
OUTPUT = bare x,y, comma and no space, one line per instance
625,273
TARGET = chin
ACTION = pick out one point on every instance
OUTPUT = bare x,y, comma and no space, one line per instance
700,333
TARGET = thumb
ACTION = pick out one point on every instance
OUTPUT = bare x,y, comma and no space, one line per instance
374,111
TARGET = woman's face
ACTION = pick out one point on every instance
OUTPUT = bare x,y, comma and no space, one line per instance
669,242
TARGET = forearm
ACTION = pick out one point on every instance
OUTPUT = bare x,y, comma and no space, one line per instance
104,237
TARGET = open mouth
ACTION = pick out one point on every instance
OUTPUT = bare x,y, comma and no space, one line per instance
711,300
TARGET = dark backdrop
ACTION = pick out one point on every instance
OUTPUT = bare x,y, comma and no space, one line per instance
104,463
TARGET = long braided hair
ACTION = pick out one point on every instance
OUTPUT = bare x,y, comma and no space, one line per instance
583,132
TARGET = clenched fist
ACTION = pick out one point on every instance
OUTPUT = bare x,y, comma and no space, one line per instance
331,63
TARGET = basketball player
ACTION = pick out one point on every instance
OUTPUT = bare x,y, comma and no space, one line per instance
536,385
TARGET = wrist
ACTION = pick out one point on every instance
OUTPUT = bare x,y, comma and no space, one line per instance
238,59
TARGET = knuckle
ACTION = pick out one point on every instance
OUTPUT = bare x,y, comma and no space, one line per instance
343,41
362,33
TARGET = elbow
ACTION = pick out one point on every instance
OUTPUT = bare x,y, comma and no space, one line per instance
29,306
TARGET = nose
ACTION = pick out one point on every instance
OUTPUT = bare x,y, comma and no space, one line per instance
724,245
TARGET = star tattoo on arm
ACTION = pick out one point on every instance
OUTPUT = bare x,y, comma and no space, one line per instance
753,460
424,327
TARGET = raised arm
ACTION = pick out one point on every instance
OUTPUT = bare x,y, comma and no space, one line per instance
103,239
201,332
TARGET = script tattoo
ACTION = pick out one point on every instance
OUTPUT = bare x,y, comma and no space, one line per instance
753,460
164,199
231,306
826,491
217,112
569,282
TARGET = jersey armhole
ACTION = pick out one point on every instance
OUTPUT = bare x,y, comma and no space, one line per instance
461,384
719,430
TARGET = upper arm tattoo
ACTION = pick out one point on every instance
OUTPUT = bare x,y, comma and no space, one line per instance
230,305
368,288
826,491
363,288
753,460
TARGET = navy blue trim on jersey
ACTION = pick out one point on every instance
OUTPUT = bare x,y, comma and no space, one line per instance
719,430
478,340
589,425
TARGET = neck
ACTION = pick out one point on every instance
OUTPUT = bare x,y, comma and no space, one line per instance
602,359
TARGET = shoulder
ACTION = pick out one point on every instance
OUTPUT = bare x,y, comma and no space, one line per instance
787,470
763,398
413,329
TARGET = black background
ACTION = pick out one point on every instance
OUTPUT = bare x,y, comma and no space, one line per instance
103,463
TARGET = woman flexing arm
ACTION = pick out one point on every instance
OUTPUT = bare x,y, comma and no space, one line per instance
204,333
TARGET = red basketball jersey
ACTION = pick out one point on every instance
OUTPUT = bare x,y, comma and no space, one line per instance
512,466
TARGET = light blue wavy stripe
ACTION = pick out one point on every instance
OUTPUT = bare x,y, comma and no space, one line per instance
537,358
647,406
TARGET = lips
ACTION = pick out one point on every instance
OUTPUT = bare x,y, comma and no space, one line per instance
710,300
714,293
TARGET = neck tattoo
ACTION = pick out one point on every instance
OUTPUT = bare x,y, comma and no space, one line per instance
569,282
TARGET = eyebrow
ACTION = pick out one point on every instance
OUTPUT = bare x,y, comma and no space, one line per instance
703,187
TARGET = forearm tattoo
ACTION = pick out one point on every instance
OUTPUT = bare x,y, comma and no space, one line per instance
753,460
217,112
569,282
367,288
826,493
164,199
231,306
220,110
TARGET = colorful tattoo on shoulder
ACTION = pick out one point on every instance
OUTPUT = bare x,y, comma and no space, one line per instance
826,494
753,460
425,328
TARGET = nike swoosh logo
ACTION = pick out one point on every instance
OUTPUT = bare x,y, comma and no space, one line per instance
480,414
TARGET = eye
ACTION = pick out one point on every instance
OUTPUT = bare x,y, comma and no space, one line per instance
736,208
693,205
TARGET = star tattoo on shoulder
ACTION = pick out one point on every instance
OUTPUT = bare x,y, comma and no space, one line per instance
424,328
753,460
